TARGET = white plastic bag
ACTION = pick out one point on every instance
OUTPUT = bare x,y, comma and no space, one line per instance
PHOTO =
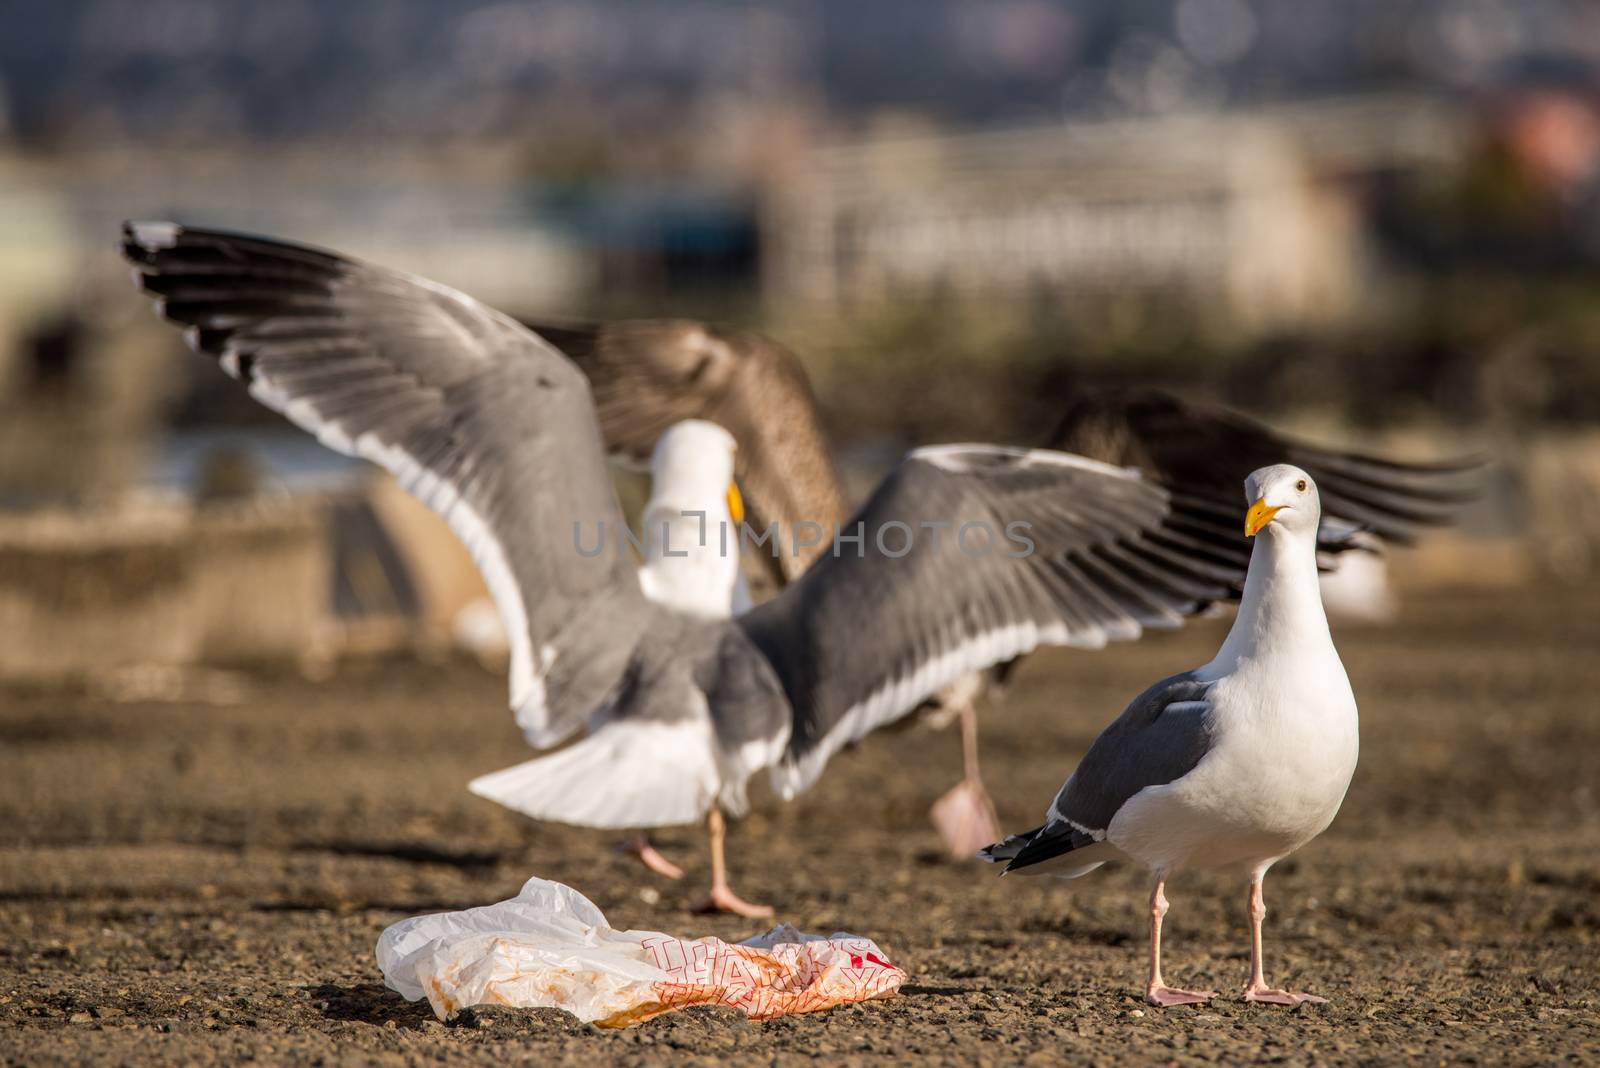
551,947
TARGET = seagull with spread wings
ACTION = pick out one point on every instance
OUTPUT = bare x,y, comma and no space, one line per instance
495,429
648,374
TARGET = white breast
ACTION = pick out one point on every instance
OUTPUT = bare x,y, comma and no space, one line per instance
1282,756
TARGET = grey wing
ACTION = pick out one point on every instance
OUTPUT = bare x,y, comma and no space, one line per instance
873,629
648,374
1209,450
1158,739
485,423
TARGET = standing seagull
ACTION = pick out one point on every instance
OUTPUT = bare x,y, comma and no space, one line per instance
648,374
1235,764
692,492
495,430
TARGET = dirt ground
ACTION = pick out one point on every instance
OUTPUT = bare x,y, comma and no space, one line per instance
199,875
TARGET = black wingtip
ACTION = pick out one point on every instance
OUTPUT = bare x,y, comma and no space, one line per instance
1470,463
1050,841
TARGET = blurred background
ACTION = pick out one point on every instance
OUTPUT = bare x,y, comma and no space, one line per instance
1371,222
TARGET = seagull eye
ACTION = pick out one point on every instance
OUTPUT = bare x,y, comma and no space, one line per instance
1301,485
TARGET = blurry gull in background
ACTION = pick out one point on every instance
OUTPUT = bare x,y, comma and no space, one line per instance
495,430
648,374
1368,501
1235,764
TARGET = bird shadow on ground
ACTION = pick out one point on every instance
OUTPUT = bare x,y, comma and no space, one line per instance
1068,929
412,852
918,990
343,905
370,1003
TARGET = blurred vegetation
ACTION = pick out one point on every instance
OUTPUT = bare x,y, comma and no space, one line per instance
1488,352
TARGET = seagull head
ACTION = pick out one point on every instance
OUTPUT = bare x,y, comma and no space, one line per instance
692,469
1284,497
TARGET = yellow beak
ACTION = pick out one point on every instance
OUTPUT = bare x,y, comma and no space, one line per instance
735,504
1259,515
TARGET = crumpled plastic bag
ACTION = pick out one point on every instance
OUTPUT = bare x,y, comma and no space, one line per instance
550,947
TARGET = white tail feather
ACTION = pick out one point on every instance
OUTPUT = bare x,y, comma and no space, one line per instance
623,775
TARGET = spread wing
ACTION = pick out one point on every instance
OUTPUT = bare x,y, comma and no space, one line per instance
878,625
485,423
1208,451
647,375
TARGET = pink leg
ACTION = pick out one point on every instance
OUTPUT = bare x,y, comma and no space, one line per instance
965,816
722,898
647,854
1257,989
1158,992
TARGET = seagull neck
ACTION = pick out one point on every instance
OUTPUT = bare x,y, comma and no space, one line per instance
1282,603
691,556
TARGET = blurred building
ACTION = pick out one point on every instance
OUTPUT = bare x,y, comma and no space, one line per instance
1249,213
658,157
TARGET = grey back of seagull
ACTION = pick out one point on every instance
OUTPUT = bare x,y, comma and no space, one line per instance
746,701
684,668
